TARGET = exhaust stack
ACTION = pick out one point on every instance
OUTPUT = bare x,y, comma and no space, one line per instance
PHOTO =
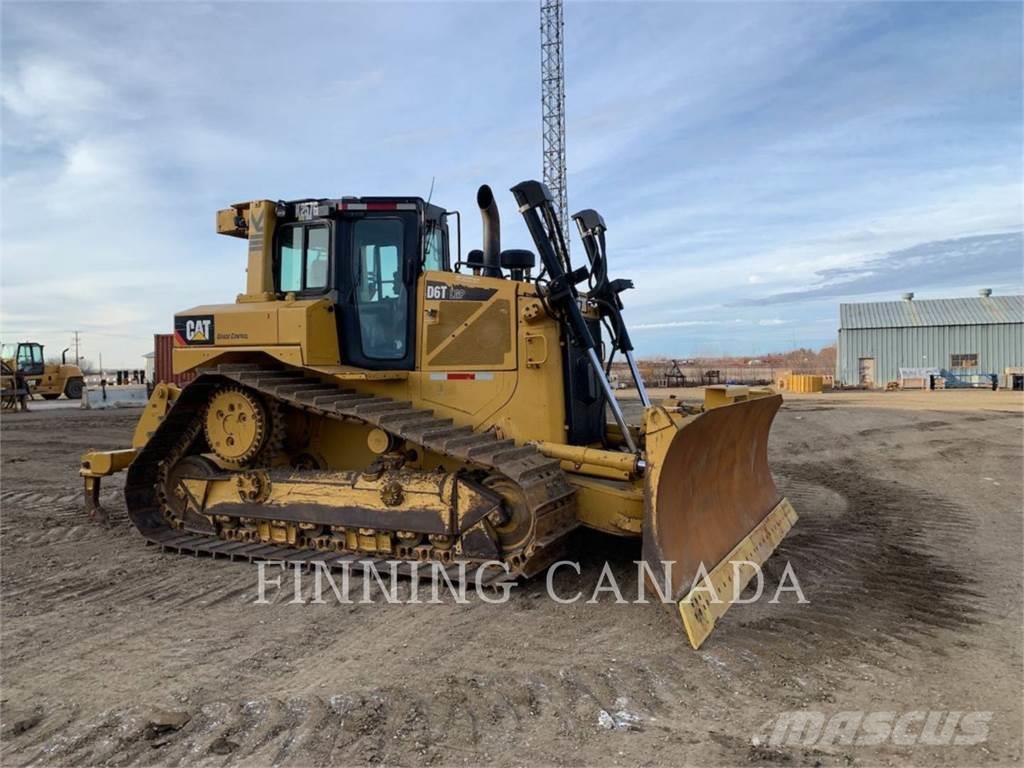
491,231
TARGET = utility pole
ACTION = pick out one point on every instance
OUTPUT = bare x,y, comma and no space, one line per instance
552,102
77,356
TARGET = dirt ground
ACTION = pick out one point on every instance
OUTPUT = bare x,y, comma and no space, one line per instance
909,549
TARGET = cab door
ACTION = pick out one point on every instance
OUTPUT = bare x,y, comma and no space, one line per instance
377,286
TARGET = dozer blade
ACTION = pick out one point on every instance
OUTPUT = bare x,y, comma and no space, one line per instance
711,501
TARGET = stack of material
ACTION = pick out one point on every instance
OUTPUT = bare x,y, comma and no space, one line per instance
805,383
917,378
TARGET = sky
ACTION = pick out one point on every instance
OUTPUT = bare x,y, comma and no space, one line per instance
756,164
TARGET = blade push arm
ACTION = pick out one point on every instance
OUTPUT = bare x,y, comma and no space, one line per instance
605,292
537,207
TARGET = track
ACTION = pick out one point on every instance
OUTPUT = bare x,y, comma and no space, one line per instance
549,497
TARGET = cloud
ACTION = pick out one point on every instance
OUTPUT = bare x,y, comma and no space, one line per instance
998,257
52,93
671,324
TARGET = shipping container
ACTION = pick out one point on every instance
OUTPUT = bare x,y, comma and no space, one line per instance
163,366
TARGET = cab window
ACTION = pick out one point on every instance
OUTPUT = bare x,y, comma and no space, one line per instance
290,259
30,358
303,258
433,250
380,293
316,257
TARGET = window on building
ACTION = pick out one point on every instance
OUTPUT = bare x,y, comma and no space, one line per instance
963,361
303,258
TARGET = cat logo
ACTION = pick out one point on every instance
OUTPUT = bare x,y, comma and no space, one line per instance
197,331
193,330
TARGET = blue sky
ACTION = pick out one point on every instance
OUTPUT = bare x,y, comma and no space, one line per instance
756,163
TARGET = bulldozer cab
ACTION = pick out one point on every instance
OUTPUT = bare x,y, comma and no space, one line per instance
366,254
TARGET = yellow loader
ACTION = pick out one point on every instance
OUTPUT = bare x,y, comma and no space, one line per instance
48,380
370,397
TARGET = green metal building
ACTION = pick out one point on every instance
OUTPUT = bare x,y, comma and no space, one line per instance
960,339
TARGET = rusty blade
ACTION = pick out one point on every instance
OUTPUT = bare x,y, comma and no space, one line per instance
708,490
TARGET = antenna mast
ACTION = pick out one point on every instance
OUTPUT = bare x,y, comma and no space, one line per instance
552,100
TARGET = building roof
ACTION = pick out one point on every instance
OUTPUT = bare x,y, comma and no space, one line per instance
925,312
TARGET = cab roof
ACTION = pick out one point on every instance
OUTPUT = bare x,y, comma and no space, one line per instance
326,206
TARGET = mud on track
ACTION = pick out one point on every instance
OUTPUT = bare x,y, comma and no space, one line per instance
908,547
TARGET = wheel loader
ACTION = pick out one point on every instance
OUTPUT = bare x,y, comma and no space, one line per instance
48,380
373,395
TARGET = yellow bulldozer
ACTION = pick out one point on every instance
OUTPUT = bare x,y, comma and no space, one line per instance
25,371
370,396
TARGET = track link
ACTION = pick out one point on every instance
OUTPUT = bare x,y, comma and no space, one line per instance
547,493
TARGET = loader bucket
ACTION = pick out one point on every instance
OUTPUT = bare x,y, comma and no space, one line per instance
710,501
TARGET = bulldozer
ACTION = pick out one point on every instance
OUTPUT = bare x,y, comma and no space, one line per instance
373,396
48,380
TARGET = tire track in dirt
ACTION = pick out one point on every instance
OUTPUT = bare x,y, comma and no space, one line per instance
374,724
34,518
864,553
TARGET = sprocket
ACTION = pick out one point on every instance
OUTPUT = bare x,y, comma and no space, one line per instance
236,425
